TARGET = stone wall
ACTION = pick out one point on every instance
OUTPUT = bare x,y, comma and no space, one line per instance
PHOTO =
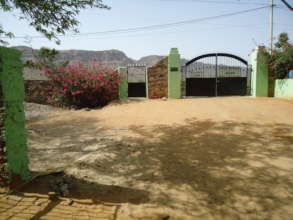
158,80
37,91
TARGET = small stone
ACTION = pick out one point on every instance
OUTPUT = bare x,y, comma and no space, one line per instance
164,99
64,189
13,197
250,207
69,201
38,203
52,195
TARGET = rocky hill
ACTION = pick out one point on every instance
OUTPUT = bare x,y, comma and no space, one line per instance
150,60
110,58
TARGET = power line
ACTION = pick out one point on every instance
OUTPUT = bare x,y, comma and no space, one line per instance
238,2
288,5
158,26
166,31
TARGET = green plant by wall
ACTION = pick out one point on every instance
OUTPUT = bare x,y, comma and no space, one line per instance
281,58
13,96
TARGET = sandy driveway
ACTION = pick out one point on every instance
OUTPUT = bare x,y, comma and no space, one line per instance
209,158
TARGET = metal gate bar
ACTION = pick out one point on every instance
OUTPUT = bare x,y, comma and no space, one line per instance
229,73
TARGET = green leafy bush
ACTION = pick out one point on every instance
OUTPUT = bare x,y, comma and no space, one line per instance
281,58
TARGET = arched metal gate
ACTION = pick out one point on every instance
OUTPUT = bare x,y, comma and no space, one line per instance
217,74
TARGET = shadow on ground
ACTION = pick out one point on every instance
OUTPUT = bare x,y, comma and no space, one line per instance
59,196
203,168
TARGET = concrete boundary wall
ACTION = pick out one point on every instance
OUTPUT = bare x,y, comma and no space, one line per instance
174,74
284,88
260,73
123,86
11,78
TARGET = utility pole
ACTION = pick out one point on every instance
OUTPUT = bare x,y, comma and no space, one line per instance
271,24
271,4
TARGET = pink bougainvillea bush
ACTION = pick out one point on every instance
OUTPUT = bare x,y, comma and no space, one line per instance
76,85
83,85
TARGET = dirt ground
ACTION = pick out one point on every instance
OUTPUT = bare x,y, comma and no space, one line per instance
205,158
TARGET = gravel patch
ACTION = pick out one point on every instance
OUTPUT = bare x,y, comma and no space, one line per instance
34,111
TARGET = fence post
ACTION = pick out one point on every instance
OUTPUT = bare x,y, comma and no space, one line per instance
260,73
174,74
13,97
123,86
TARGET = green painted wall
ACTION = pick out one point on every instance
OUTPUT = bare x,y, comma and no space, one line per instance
174,74
13,95
123,86
284,88
260,73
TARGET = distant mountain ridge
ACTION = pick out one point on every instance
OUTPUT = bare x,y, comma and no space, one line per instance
107,57
111,58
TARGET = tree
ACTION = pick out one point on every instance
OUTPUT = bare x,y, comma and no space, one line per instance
281,59
49,17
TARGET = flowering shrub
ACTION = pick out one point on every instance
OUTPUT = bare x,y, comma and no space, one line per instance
79,85
76,85
281,57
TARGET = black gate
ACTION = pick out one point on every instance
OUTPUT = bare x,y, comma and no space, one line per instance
136,81
217,74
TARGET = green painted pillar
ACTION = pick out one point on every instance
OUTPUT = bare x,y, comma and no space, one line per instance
260,73
123,86
13,95
174,74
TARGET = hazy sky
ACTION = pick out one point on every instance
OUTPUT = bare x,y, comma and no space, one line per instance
237,34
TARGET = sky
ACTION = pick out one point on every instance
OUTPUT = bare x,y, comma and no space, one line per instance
238,34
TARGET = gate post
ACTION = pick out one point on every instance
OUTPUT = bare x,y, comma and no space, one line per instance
260,73
123,86
11,79
174,74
